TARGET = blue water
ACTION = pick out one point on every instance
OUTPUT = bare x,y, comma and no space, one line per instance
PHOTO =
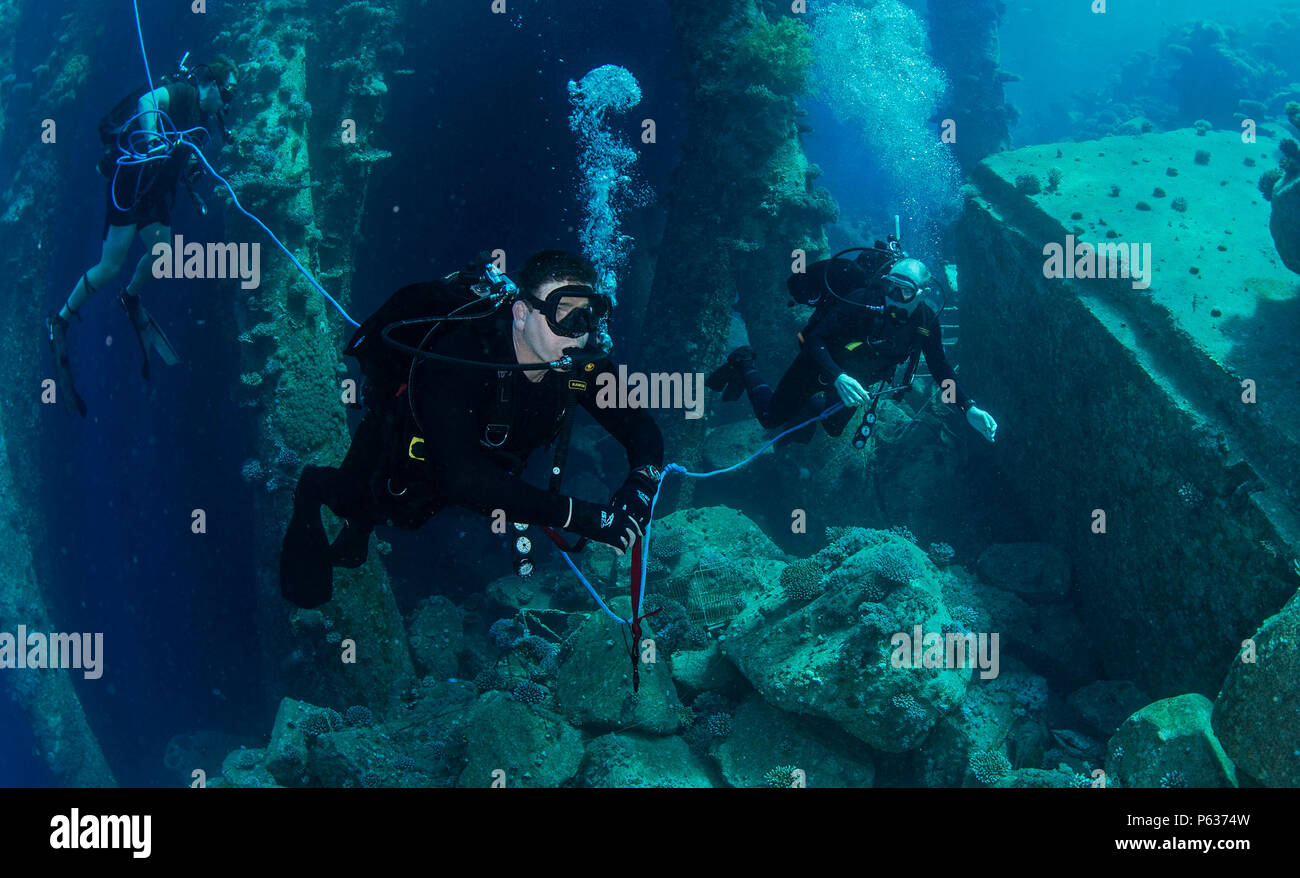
484,157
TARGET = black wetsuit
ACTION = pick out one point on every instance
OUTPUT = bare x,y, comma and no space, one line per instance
457,448
847,338
146,190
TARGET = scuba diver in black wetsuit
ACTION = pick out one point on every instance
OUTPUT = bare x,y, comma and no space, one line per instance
144,163
456,408
873,313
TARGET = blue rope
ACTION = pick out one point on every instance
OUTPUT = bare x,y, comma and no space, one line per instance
175,138
672,467
678,468
583,580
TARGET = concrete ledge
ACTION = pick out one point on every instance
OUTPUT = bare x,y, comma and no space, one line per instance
1130,400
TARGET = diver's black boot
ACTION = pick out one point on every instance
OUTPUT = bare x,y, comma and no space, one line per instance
306,569
730,376
58,334
147,332
351,546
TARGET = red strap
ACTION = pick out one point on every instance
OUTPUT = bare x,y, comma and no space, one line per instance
638,580
638,577
638,583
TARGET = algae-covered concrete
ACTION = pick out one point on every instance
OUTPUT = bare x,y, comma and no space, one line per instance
27,224
1164,402
743,182
63,734
306,179
964,39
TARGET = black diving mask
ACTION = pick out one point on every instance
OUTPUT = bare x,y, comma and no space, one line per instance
900,289
573,310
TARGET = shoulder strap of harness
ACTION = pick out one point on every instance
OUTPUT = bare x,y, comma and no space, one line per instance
501,411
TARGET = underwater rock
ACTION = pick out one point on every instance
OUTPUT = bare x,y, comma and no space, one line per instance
1170,743
984,720
287,757
832,657
1036,571
314,746
436,636
763,737
1049,637
618,761
1284,222
1104,704
345,757
703,669
244,768
1257,712
718,558
405,754
1039,779
534,747
593,687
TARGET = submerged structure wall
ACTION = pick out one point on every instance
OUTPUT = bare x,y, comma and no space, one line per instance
742,198
1168,409
28,223
301,173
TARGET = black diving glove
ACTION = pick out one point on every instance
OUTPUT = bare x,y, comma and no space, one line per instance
637,494
602,524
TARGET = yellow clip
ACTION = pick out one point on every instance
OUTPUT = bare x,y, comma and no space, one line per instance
922,331
410,449
853,346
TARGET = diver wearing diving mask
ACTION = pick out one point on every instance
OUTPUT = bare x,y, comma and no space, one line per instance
869,320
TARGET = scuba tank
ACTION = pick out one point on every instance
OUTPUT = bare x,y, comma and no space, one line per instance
118,122
837,277
415,315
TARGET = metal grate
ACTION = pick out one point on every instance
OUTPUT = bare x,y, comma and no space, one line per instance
709,591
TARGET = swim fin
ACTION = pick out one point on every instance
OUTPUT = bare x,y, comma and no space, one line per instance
147,332
58,334
351,546
306,571
730,376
